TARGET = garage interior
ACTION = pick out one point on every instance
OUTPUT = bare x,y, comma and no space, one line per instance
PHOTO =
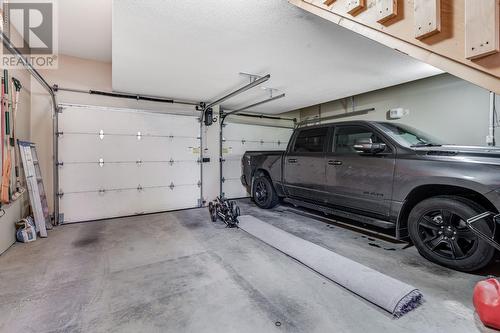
147,117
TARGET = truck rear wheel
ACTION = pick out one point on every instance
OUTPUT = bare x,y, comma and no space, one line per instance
263,193
437,228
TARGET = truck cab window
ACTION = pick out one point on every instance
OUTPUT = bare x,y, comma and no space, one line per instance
346,137
311,141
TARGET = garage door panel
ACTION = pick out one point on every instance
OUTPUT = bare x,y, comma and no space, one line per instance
126,202
234,189
85,177
232,169
180,173
117,162
238,150
88,206
84,119
171,198
120,149
240,138
248,132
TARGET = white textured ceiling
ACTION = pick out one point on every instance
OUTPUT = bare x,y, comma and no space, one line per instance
85,28
194,50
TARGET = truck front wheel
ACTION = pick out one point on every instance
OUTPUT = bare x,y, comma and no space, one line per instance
437,228
263,193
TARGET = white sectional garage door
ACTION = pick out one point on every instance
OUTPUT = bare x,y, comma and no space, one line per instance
119,162
239,138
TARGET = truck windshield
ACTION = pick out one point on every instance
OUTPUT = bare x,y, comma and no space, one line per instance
408,136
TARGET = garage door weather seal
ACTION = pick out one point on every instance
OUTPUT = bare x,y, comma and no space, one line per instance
390,294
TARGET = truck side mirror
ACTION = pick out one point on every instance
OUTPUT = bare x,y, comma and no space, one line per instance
366,146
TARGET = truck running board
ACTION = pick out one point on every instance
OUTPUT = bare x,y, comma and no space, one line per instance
341,213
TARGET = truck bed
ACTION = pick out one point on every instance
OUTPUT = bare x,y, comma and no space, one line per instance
270,161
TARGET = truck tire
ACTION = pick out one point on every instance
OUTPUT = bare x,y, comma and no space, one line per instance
438,231
263,192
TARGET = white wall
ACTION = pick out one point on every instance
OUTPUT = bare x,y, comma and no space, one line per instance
445,106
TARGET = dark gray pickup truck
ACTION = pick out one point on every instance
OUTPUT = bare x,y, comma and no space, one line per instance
390,176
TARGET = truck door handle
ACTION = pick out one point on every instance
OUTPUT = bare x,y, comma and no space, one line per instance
335,163
292,160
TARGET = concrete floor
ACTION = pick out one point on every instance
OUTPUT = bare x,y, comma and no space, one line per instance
178,272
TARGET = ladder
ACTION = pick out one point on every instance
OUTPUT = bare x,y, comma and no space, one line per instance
38,197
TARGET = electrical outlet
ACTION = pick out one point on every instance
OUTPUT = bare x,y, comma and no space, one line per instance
398,113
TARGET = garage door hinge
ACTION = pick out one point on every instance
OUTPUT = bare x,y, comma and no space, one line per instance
223,180
60,164
60,194
58,134
199,184
172,186
60,109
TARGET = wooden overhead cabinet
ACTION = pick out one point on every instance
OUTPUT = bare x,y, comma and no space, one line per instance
460,37
386,10
482,28
427,17
355,6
